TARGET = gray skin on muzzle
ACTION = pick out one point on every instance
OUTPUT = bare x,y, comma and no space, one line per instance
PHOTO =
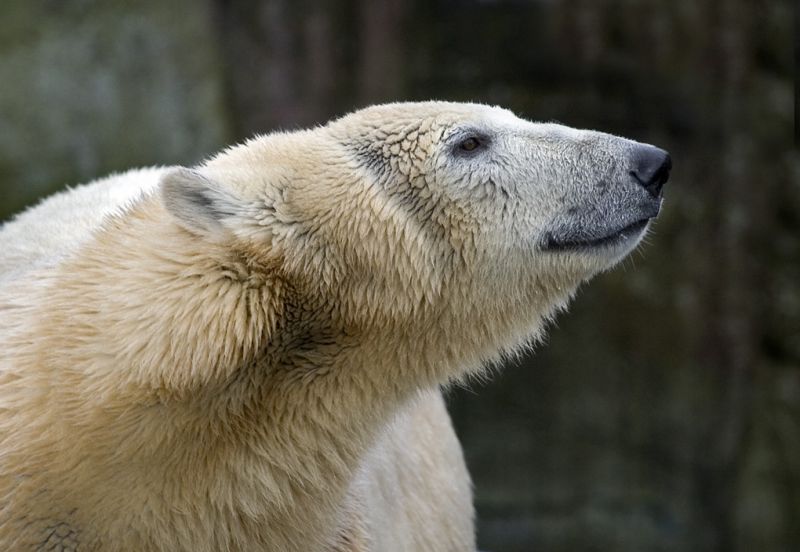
620,203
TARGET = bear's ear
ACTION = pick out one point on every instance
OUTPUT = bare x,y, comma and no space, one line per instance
199,204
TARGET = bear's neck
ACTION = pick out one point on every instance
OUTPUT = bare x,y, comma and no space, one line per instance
247,403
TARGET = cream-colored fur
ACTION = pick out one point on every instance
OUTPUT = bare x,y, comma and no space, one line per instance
56,227
246,355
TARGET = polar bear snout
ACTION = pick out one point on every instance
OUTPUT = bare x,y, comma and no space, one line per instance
650,168
613,214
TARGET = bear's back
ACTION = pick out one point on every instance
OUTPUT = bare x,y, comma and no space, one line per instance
50,231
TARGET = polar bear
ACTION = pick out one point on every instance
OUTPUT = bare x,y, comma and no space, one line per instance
246,355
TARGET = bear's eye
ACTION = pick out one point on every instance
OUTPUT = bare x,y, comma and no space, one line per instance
470,144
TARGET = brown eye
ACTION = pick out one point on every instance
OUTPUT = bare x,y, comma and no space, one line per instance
470,144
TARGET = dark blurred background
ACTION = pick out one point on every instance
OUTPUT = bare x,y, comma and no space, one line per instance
664,411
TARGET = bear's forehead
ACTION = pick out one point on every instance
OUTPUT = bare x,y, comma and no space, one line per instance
389,118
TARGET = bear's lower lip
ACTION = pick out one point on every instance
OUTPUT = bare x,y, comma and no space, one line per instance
632,230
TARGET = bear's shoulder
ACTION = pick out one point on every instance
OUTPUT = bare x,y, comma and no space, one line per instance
50,231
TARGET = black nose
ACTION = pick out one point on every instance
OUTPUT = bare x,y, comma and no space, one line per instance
651,168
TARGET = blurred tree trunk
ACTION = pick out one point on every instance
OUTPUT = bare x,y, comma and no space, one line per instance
728,350
295,63
284,64
383,58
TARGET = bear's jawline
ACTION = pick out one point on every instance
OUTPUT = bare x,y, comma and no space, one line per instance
553,244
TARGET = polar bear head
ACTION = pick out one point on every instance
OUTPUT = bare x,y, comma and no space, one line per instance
413,215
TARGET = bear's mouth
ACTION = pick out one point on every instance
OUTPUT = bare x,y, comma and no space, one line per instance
631,231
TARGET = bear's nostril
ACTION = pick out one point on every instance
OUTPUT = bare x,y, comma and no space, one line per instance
651,168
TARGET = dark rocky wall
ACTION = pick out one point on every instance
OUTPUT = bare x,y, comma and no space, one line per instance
90,87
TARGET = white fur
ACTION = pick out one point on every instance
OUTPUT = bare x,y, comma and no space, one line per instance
58,225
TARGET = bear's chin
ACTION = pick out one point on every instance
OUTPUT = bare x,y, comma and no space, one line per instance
579,263
602,241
